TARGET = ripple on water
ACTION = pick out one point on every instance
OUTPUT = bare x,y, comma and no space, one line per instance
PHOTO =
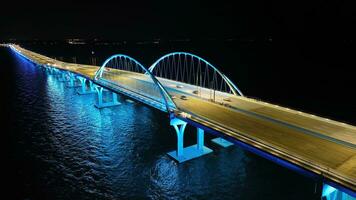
81,152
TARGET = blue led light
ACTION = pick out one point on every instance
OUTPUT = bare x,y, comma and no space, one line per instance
162,90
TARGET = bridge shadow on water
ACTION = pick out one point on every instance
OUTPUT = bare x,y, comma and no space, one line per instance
59,146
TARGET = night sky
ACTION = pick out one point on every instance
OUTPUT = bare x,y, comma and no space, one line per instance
177,19
135,20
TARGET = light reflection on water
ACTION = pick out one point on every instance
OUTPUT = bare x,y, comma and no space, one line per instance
81,152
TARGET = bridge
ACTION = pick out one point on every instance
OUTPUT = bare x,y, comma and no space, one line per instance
193,91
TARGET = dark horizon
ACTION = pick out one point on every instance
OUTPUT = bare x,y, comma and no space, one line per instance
130,20
324,29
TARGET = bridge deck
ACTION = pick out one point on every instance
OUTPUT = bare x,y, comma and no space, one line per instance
321,145
324,154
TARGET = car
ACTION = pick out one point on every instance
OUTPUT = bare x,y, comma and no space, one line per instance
183,114
227,105
227,99
184,97
179,86
195,92
173,97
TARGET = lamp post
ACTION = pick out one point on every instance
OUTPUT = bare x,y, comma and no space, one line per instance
212,87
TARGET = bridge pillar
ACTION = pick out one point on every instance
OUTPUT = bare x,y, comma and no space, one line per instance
44,68
183,154
83,89
331,193
49,69
54,71
63,76
72,80
200,139
222,142
100,100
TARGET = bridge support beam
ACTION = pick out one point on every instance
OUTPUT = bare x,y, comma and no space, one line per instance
331,193
45,68
222,142
54,71
63,76
83,89
72,80
100,100
51,70
183,154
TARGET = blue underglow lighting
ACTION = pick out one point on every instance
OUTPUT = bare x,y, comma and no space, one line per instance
327,190
165,95
340,188
331,193
255,150
57,95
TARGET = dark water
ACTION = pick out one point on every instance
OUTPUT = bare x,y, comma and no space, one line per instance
59,146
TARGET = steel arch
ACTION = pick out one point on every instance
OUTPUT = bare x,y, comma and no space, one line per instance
165,95
232,86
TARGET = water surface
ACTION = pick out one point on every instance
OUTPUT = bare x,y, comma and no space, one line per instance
59,146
